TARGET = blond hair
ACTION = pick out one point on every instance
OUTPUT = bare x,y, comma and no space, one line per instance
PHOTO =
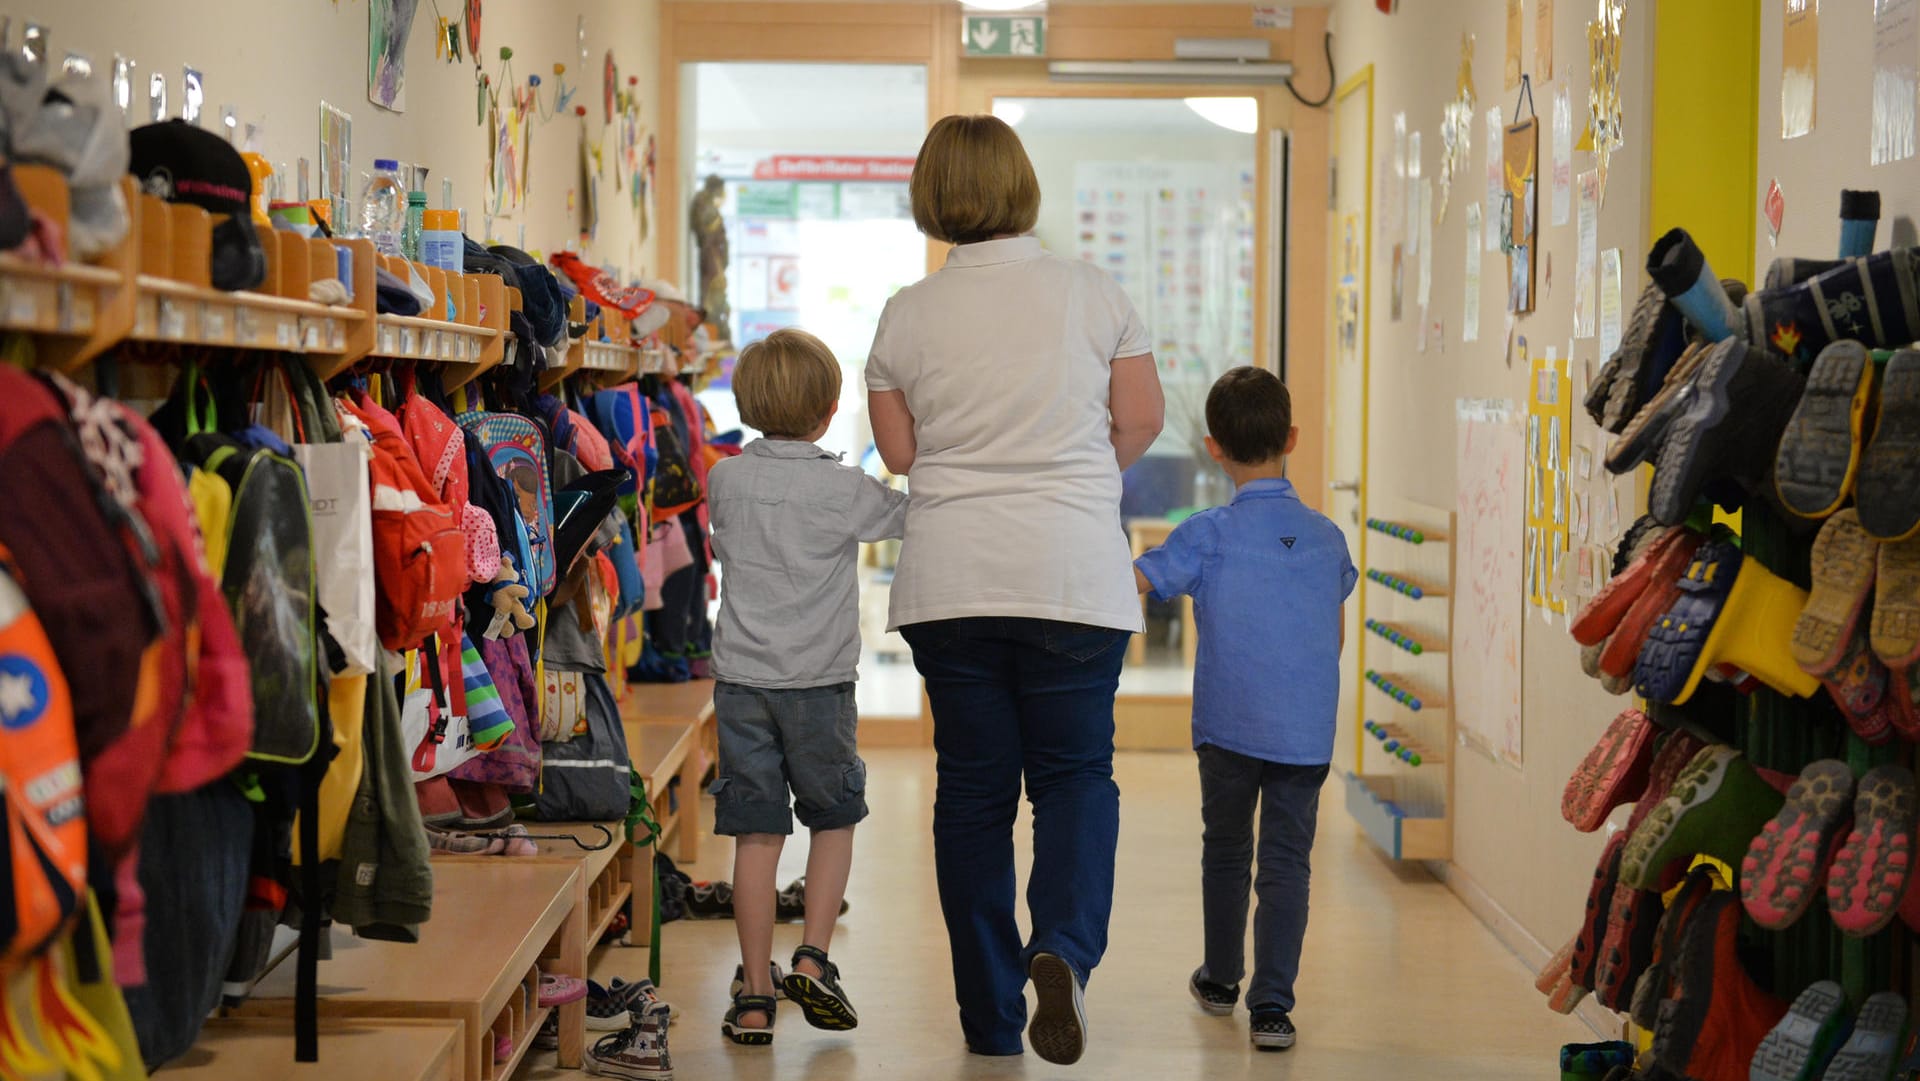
973,182
786,384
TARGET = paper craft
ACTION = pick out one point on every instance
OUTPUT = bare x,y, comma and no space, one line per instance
1397,282
1496,130
389,24
1549,428
1562,155
1896,80
1413,194
1605,113
1799,66
1515,19
1521,154
1543,40
1489,460
1609,301
1426,244
1456,125
1585,286
1470,321
1396,180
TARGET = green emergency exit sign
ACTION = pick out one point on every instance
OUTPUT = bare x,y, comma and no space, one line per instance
1006,35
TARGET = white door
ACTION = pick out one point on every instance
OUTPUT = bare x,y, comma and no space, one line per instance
1351,244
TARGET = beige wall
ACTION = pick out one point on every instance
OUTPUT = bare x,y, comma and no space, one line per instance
274,62
1509,838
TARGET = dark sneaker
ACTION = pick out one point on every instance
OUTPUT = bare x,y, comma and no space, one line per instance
739,985
1820,449
790,904
1271,1029
1058,1030
1215,998
745,1035
710,901
821,998
1887,490
548,1038
606,1012
638,1053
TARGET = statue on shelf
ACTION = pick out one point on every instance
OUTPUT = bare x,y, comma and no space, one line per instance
710,238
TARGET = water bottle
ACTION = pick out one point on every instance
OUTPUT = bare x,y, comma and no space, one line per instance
416,214
383,207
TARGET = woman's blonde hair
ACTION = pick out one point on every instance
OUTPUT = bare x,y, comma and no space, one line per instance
786,384
973,182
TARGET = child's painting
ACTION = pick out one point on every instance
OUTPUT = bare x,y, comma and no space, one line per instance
389,24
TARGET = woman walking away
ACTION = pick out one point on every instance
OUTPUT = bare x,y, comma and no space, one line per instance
1014,386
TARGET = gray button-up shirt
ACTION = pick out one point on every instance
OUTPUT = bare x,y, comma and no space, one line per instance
788,519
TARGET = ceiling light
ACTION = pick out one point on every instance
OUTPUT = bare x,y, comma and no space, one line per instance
1234,114
1000,5
1179,72
1010,111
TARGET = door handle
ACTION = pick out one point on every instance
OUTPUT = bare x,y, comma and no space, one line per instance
1344,486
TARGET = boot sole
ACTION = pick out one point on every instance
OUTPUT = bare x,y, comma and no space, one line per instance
1894,630
1650,988
1593,927
1630,926
1820,450
1622,651
1057,1032
1798,1047
1650,322
1888,488
1641,436
1844,567
822,1008
1606,777
1640,862
1599,616
1556,967
1781,874
1677,641
1905,717
1873,868
1684,1015
1685,459
1870,1052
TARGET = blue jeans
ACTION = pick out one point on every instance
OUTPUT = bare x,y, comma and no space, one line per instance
1014,697
1288,802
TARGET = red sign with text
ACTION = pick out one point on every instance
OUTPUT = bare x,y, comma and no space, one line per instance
833,167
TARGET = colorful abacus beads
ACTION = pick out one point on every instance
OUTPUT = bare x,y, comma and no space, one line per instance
1396,637
1392,744
1395,529
1398,585
1397,693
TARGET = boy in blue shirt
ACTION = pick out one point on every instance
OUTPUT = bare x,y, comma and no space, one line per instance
1268,577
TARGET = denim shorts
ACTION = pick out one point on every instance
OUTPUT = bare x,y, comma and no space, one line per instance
773,742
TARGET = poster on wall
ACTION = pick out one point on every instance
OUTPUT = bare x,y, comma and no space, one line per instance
1489,456
1470,288
1516,18
1799,66
1426,244
1413,194
1585,282
1395,216
1521,154
1610,302
1549,447
389,24
1543,41
1896,79
1397,282
1496,129
1562,155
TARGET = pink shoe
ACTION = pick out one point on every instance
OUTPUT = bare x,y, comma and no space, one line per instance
561,990
502,1048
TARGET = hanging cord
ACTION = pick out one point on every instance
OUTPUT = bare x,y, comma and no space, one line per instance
1327,42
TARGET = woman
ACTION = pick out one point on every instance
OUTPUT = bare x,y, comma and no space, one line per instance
1014,386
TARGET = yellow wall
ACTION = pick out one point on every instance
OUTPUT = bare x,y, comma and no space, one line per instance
1702,142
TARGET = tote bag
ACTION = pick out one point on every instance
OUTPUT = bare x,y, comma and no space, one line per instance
338,488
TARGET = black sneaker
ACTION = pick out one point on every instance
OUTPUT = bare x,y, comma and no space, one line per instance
1058,1029
790,904
820,998
1215,998
1271,1029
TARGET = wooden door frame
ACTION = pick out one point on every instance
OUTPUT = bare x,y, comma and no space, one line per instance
1359,81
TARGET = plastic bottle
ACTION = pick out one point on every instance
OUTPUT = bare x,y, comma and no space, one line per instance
383,207
441,244
410,235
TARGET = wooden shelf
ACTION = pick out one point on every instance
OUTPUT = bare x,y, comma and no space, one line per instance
1400,835
262,1050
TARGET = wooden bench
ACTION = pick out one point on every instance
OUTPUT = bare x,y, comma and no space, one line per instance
362,1049
603,889
671,736
478,961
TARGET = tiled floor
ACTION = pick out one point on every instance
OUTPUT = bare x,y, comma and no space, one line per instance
1399,980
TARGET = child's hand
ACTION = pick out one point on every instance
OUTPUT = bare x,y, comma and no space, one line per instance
1140,581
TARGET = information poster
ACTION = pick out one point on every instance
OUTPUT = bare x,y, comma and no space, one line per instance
1548,452
1896,82
1490,456
1521,209
1585,271
1799,66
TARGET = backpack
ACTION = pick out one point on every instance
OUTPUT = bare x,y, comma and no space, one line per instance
624,422
441,448
675,491
268,584
517,451
40,794
419,549
586,778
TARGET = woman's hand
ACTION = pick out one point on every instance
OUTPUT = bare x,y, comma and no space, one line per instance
1135,401
893,429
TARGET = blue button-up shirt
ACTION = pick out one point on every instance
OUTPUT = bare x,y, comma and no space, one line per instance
1268,576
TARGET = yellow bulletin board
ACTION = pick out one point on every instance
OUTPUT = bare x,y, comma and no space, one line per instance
1549,450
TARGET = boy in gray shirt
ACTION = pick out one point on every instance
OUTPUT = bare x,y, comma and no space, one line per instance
788,520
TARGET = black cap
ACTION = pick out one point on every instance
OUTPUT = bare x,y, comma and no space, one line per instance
183,164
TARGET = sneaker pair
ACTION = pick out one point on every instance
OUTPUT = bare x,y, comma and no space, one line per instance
1270,1027
1829,452
638,1052
1855,841
612,1007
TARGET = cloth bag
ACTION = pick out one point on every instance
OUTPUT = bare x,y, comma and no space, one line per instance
338,486
587,778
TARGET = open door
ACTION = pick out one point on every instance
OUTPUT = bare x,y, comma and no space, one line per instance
1350,239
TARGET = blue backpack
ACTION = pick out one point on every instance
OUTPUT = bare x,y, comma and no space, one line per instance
517,451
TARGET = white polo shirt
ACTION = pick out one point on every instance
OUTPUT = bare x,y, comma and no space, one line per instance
1004,356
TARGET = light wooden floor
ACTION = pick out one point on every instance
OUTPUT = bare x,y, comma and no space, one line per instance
1398,981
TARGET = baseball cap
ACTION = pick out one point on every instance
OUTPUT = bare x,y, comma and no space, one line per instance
184,164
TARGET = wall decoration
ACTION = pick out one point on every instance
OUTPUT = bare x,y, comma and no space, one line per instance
1799,66
1396,293
472,24
389,24
1395,215
1413,194
1346,294
1489,460
1610,302
1470,324
1515,19
1426,246
1521,198
1605,114
609,83
1774,208
1549,446
1585,283
1896,79
1543,40
1562,155
1456,125
1496,183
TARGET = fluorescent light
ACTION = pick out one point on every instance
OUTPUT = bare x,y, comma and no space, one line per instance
1010,111
1187,72
1234,114
1001,5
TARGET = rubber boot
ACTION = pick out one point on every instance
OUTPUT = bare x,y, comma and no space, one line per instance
1679,268
1787,861
1711,1027
1879,1033
1756,622
1735,408
1887,490
1819,455
1859,218
1665,662
1654,983
1873,870
1655,336
1717,806
1871,300
1801,1045
1593,1061
1612,773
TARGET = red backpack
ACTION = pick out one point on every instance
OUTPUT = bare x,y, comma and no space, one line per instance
440,445
419,551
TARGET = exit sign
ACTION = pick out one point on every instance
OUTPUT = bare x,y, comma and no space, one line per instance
1005,35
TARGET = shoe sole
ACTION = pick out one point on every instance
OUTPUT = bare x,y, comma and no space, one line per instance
1894,630
1905,716
1593,926
1677,641
1869,1053
1650,989
1683,1016
1272,1042
1781,873
1566,996
1555,968
598,1068
1797,1048
1820,450
1652,318
822,1008
1622,651
1641,436
1630,926
1640,861
609,1024
1599,616
1888,487
1684,462
747,1037
1212,1008
1873,868
1844,567
1057,1032
1607,776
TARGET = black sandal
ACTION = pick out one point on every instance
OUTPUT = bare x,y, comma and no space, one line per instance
749,1037
820,998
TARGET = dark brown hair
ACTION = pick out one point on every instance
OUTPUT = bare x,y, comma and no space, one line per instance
1250,414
